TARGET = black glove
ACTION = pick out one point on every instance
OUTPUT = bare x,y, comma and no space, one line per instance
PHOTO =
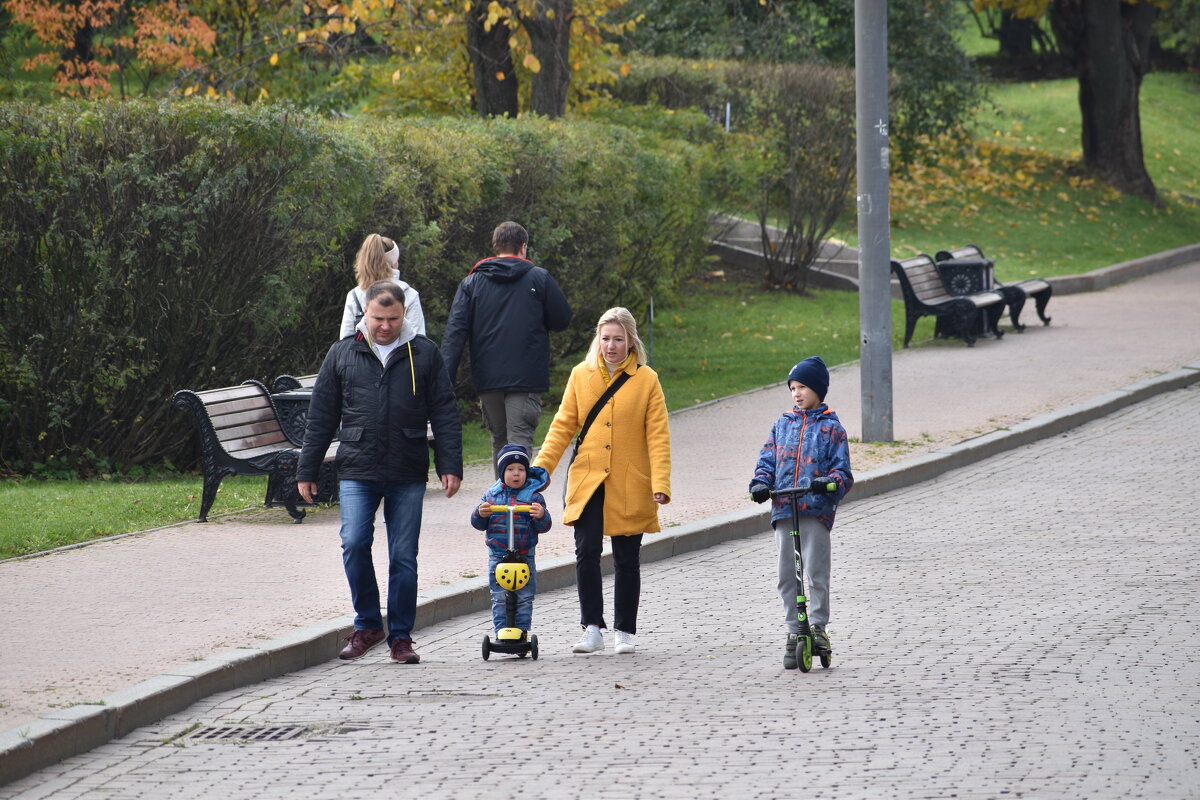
823,485
760,492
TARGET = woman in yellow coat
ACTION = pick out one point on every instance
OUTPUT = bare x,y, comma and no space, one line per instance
619,475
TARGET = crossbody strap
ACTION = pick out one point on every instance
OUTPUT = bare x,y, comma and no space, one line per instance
604,398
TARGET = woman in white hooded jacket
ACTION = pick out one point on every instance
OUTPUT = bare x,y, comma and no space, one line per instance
377,261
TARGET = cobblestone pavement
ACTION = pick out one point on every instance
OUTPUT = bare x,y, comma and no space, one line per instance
144,604
1025,627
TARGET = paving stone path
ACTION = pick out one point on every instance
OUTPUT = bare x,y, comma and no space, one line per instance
1025,627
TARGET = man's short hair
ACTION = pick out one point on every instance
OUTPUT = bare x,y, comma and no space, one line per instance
509,238
386,292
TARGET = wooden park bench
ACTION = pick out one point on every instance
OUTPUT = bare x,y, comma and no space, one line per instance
926,295
1014,293
240,434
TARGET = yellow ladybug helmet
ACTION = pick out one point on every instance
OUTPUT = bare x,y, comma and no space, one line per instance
512,575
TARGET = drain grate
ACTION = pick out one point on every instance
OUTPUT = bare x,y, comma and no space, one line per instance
247,733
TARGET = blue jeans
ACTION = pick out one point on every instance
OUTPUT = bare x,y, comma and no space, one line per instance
525,595
402,506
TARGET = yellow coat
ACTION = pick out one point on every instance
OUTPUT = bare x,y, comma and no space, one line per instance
628,448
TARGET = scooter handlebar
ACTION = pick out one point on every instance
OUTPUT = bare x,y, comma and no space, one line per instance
823,487
504,509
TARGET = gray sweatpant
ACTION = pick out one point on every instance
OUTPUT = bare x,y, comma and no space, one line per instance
512,418
814,545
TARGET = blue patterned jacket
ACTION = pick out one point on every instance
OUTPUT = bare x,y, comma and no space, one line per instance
527,528
804,444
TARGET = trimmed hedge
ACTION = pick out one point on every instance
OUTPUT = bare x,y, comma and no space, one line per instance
147,247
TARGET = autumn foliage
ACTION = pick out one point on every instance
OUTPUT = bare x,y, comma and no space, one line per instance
99,41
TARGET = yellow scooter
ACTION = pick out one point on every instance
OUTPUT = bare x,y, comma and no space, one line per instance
512,573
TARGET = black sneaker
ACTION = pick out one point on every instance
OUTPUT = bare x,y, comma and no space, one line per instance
820,639
789,652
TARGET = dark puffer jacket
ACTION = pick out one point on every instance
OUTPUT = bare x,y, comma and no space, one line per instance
382,412
503,311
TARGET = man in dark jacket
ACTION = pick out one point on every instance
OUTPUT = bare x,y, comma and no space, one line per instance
382,386
504,311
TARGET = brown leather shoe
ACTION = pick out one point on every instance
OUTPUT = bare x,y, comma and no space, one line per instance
360,642
403,653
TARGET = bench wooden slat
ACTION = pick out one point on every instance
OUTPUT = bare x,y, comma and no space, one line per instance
254,452
255,430
241,404
250,441
210,396
242,417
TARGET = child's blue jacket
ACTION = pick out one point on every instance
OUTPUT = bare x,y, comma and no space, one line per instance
804,444
527,528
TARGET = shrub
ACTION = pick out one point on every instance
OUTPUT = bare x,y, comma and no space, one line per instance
147,247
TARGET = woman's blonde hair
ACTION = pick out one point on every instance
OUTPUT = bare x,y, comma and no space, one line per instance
622,317
371,265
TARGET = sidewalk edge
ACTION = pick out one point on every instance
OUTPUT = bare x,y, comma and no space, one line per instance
78,729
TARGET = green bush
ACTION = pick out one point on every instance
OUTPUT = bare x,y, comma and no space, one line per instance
148,247
145,248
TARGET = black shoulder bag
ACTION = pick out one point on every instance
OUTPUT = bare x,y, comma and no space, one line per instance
591,417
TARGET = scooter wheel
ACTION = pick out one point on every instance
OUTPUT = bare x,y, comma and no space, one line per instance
487,647
826,659
533,647
804,653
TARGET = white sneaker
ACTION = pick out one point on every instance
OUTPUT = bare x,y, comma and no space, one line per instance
592,641
625,643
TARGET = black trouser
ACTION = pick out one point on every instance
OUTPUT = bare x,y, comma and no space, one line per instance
589,540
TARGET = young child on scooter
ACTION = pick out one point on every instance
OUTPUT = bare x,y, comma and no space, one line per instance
807,442
519,484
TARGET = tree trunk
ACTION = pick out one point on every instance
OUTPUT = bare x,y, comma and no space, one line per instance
549,32
491,61
1108,42
1015,34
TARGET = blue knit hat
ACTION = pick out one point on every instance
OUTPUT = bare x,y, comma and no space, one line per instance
813,373
512,454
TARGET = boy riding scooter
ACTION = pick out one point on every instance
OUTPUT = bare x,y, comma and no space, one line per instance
519,485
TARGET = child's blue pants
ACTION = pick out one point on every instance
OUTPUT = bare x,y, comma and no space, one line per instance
525,594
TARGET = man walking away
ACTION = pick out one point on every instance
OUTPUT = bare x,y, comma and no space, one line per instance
504,311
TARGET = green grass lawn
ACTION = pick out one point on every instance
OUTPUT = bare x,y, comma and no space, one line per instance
724,338
38,515
1028,207
1045,116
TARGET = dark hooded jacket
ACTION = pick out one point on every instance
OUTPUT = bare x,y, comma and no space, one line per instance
504,311
382,412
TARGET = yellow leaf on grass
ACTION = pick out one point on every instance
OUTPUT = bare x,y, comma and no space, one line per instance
531,63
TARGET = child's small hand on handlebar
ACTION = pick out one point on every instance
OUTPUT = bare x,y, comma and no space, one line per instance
537,510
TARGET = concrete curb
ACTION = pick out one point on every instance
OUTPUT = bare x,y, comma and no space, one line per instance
81,728
1125,271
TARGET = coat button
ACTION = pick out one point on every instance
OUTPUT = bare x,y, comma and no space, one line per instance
606,469
608,447
608,424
